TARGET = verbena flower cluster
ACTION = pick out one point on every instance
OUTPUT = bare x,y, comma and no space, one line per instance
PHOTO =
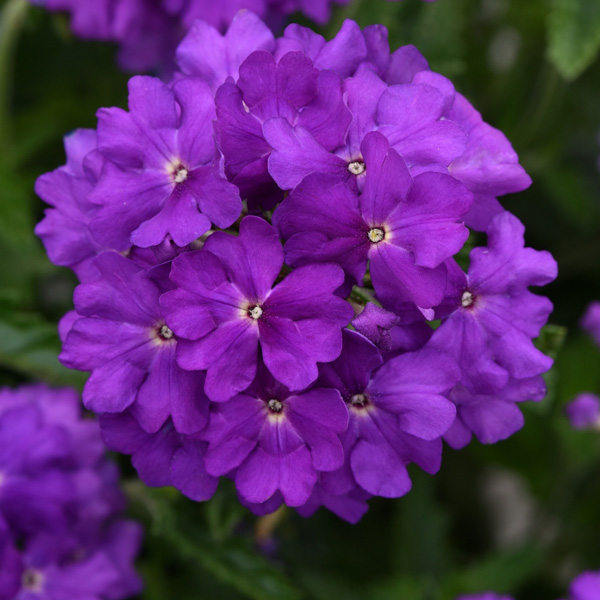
62,534
584,587
292,351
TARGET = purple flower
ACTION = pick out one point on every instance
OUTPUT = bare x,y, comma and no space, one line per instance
408,115
376,324
35,491
489,166
491,417
65,227
585,586
162,174
60,408
224,309
275,440
10,564
342,54
162,458
350,506
103,572
123,340
61,531
147,34
391,225
290,89
397,414
213,57
583,411
490,329
590,321
495,316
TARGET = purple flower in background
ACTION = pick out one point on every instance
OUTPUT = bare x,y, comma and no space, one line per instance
10,564
275,440
122,338
162,175
583,411
590,321
148,31
585,586
61,531
224,308
35,490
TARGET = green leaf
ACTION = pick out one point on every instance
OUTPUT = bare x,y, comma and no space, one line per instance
551,339
232,559
502,573
16,222
30,346
573,35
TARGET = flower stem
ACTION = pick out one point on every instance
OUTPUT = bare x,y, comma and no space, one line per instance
362,294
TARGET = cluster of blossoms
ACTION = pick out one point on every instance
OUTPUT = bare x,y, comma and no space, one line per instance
148,31
583,411
584,587
62,534
292,351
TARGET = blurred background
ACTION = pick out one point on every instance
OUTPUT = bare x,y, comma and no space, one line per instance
520,517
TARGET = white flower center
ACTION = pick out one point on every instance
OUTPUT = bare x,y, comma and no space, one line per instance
376,235
356,167
166,333
275,406
177,171
32,580
467,299
359,400
181,175
255,312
